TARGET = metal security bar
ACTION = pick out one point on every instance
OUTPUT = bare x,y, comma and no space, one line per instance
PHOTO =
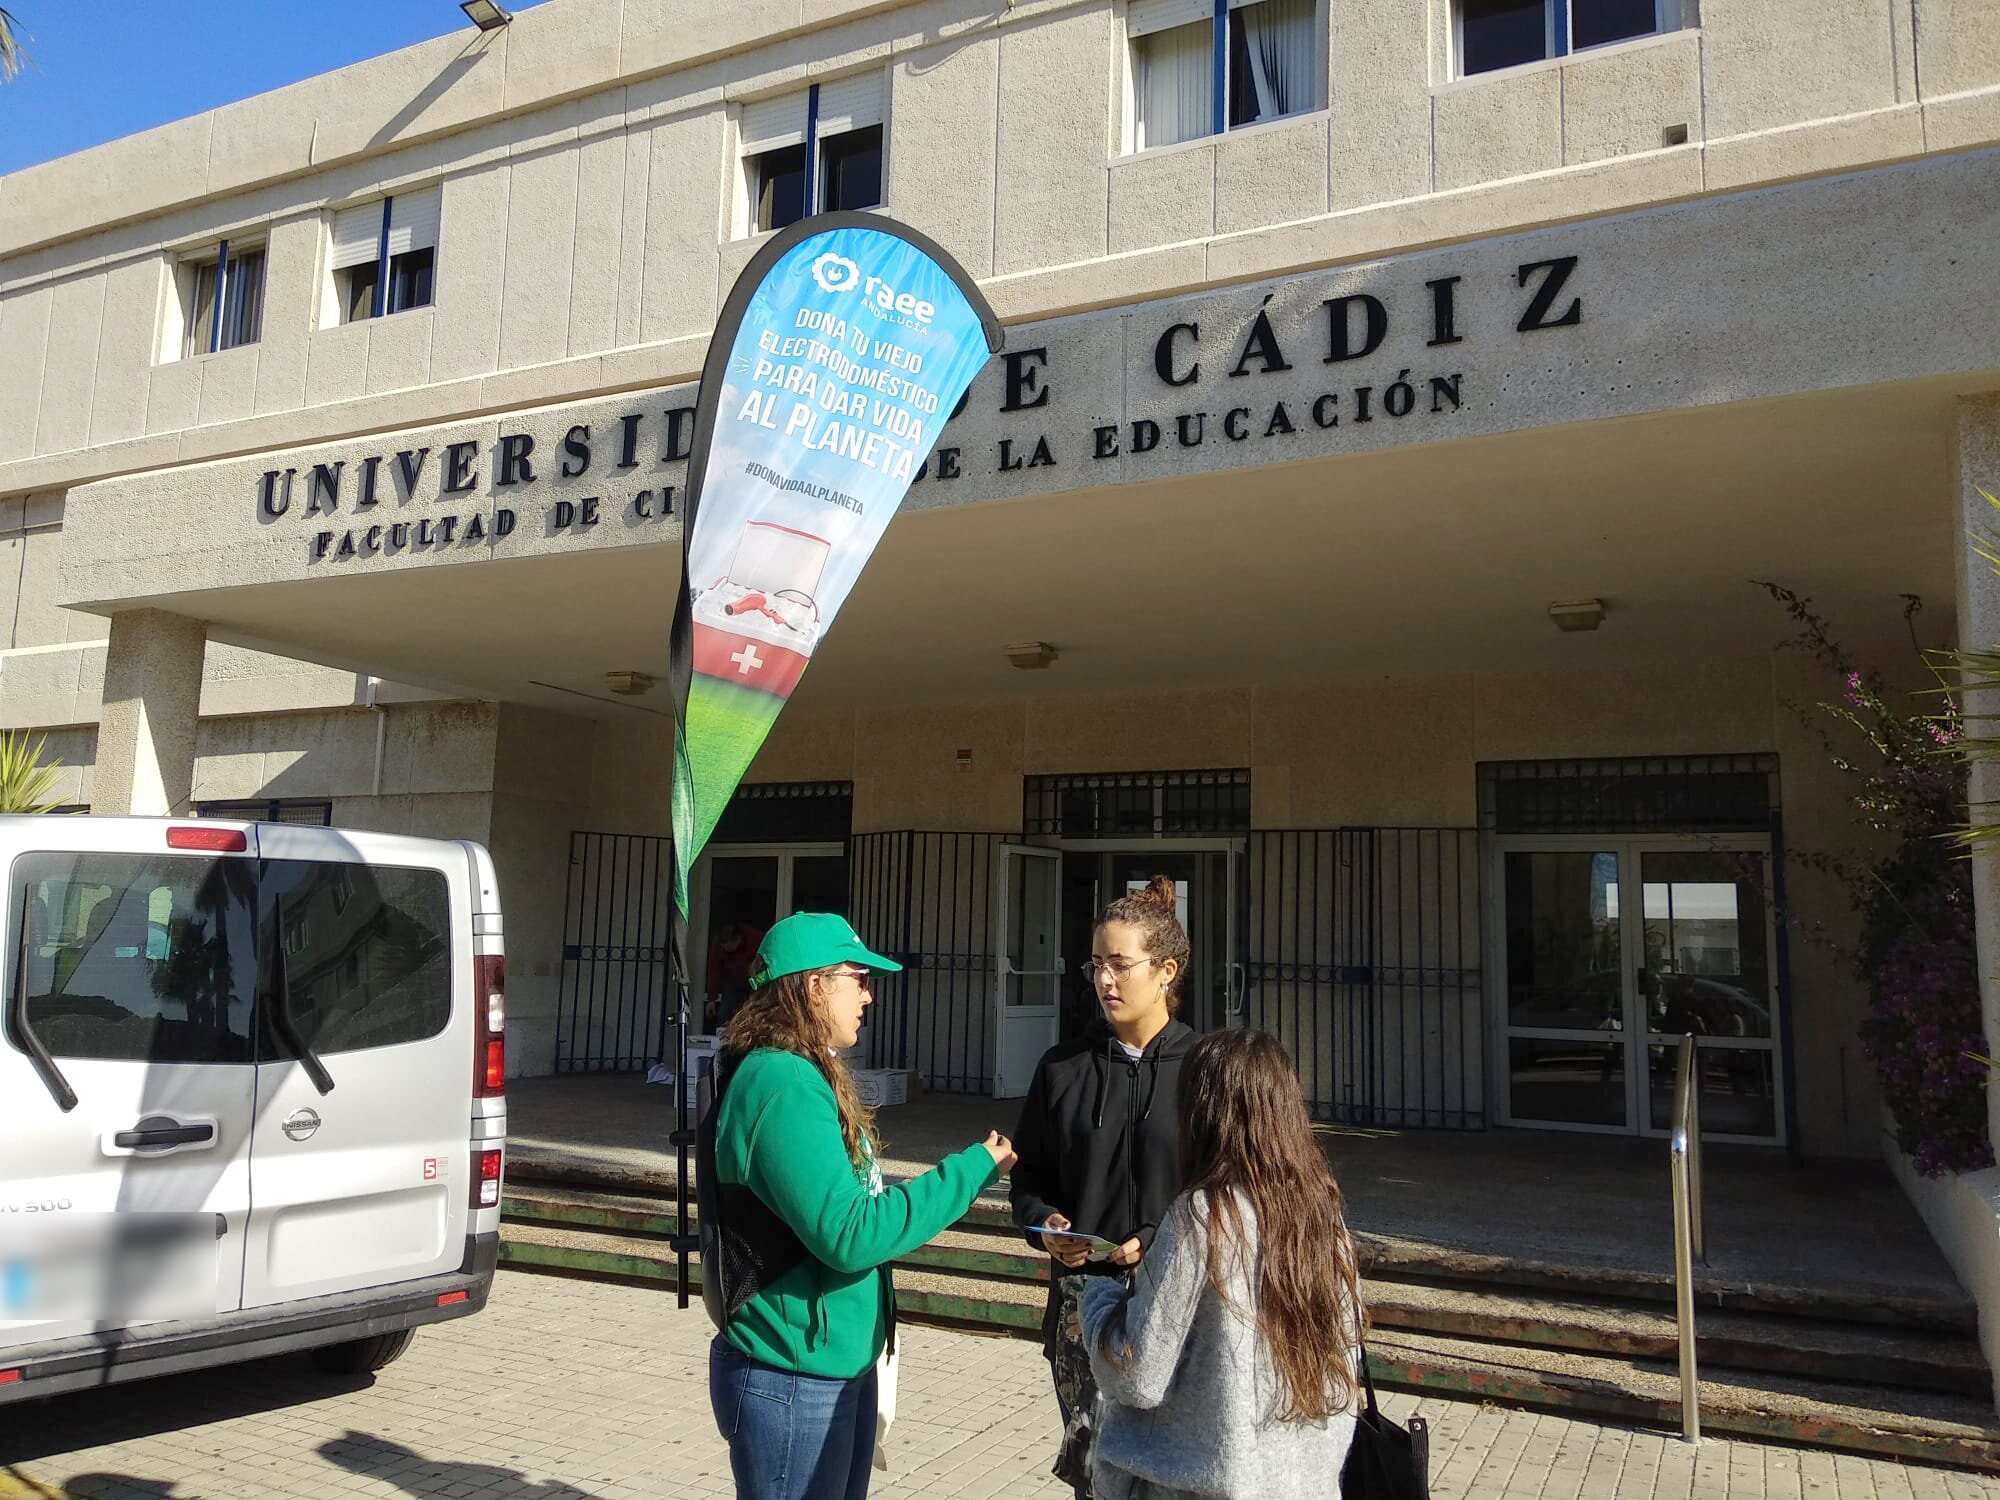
1653,794
307,811
1362,956
929,898
1684,1168
1138,804
786,812
612,1010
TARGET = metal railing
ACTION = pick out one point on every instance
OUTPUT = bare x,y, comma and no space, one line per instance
1684,1166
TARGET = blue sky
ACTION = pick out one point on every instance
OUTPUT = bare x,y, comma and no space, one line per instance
99,69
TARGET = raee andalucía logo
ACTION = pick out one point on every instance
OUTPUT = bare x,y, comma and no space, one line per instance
835,273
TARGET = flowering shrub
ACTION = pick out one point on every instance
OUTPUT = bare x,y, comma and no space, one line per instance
1915,948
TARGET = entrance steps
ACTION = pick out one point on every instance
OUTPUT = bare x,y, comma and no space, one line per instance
1883,1375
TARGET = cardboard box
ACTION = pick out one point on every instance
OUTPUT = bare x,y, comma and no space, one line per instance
881,1088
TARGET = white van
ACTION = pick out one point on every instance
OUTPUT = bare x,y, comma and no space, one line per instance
251,1095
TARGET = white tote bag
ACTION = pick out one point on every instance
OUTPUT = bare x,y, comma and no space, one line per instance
885,1403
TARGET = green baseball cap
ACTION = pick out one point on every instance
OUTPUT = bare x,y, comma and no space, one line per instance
813,940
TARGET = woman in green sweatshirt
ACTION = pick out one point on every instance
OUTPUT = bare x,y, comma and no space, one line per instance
808,1230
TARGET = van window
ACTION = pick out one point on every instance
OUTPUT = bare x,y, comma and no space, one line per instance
366,954
139,958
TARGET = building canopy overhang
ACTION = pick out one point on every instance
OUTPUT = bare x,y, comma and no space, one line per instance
1395,466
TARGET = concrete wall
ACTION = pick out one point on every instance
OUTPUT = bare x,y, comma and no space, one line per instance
52,658
589,172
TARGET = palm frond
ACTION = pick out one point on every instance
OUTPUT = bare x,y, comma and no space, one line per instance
12,57
27,782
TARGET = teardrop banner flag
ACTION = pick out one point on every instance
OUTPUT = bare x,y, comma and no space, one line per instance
841,353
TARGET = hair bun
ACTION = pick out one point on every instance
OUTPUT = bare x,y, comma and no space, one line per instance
1160,890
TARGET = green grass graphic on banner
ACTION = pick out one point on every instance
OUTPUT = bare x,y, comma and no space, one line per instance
726,725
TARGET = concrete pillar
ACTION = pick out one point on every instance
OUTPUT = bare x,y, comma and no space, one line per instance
152,698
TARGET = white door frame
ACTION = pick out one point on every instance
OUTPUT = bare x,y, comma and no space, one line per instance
1007,1016
1630,848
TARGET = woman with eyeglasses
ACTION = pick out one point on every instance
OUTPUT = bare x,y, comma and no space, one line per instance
1097,1136
805,1227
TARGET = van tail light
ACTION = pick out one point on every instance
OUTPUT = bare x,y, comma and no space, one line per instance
10,1377
489,1058
486,1181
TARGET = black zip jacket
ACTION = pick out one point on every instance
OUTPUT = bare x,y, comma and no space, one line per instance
1097,1143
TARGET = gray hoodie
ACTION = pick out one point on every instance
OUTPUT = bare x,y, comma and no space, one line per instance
1192,1411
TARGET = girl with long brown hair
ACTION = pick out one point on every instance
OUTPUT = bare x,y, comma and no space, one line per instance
1227,1368
804,1227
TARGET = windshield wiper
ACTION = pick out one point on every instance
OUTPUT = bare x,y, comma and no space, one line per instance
24,1033
281,1006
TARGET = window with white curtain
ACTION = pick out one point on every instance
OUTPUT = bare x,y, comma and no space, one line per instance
384,257
221,301
1507,33
1200,67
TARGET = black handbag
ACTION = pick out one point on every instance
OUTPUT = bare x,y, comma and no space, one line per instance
1386,1462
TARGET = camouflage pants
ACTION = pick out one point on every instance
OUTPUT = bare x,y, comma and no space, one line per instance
1076,1389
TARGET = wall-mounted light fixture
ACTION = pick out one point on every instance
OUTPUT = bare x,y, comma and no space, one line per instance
485,14
1031,656
1578,614
629,684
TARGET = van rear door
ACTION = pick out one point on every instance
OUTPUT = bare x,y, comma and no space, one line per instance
360,1153
127,1077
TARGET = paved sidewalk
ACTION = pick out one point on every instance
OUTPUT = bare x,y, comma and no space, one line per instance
570,1390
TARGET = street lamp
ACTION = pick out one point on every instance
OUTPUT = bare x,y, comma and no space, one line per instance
485,14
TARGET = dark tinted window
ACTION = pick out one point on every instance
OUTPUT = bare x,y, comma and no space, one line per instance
410,279
851,169
362,952
781,187
1595,22
139,958
1501,34
357,297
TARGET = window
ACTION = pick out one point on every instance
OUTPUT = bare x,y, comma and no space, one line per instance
1143,804
384,257
813,152
367,957
166,959
1200,67
1670,794
1506,33
220,300
133,958
850,170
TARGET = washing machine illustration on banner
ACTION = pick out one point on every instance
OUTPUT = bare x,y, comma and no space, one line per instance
758,623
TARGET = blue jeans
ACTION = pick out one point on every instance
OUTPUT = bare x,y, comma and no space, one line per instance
792,1437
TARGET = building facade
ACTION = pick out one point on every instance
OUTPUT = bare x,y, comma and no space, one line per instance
1399,399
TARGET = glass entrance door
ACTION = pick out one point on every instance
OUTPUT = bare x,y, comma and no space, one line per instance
1611,951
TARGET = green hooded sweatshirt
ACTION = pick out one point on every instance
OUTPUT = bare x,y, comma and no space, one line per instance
778,1133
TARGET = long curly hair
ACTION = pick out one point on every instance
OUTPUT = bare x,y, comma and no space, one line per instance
1246,1140
781,1014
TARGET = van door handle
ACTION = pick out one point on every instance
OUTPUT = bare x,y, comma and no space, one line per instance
147,1134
